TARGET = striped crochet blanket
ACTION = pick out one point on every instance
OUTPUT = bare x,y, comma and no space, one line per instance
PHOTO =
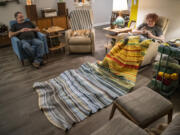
75,94
125,57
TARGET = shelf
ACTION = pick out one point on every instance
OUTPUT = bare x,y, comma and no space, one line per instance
163,89
61,45
53,29
171,51
53,36
170,68
108,46
166,66
4,34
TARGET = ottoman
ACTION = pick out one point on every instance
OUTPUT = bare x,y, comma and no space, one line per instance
143,106
120,126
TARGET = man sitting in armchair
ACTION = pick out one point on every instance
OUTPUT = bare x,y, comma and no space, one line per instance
26,32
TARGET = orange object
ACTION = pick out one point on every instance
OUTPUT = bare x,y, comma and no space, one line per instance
83,1
28,2
174,76
160,74
167,76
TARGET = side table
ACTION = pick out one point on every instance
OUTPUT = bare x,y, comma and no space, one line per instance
4,39
53,34
116,31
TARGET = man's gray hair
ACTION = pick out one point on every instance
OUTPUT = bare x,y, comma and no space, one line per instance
17,13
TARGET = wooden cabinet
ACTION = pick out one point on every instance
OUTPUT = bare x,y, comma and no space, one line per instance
60,21
61,8
44,23
31,12
54,35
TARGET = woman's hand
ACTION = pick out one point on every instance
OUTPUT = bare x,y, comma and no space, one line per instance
150,35
161,38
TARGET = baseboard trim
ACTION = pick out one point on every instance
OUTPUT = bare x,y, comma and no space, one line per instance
99,24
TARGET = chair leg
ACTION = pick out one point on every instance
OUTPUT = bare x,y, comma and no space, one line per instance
106,50
22,61
112,111
170,116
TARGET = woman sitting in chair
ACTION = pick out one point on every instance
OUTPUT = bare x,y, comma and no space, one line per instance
128,54
147,30
150,29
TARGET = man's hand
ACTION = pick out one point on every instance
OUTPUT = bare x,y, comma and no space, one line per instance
25,30
11,34
32,29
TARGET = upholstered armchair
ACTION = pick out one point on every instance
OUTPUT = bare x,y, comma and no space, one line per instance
16,44
80,44
80,20
152,50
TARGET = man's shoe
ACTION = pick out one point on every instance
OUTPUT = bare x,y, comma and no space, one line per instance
44,62
36,65
31,60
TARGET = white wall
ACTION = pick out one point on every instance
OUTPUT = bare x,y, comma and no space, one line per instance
102,10
7,12
69,4
41,4
167,8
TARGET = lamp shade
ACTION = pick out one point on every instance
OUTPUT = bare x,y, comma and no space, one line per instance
119,5
28,2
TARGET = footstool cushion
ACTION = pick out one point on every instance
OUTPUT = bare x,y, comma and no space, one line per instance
145,105
120,126
174,127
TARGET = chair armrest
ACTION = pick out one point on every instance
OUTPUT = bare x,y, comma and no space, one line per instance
41,35
15,39
16,45
43,38
68,34
92,36
111,36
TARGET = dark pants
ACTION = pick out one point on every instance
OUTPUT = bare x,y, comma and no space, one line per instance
34,49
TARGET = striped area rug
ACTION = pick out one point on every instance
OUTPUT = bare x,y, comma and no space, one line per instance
76,94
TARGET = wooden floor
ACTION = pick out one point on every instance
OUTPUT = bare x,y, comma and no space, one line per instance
19,111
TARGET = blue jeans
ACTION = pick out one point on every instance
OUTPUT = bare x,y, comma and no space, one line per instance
33,49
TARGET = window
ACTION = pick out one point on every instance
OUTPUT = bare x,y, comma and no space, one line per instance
120,5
